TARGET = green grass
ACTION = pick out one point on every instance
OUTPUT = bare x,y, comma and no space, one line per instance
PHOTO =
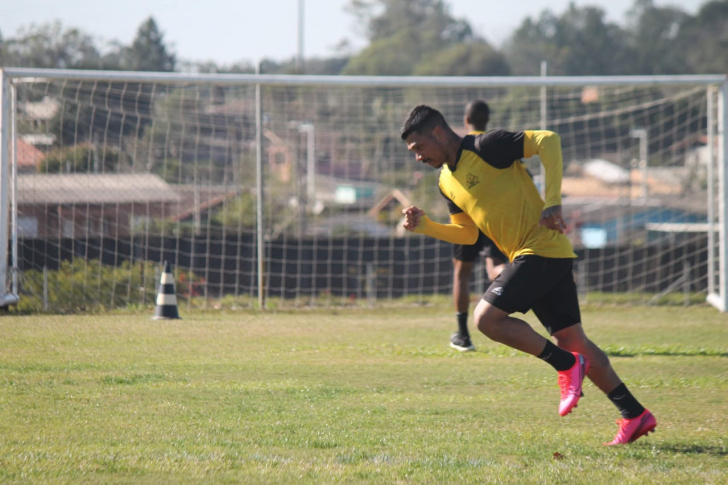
358,395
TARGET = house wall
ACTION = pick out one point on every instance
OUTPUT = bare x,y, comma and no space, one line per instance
85,220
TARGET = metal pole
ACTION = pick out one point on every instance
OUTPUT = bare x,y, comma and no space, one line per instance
14,186
45,288
722,186
544,73
5,144
299,58
35,75
260,192
310,162
644,163
720,301
711,192
641,135
544,123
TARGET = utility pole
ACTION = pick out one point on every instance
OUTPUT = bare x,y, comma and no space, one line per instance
641,135
299,57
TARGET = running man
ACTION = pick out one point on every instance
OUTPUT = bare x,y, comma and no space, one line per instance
487,190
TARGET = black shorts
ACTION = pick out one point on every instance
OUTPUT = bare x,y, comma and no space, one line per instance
544,285
483,246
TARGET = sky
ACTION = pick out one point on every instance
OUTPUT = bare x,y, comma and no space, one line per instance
231,31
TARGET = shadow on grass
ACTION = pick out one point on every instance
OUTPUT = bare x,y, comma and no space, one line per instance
692,449
664,351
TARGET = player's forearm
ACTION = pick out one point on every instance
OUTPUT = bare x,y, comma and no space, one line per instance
547,145
461,233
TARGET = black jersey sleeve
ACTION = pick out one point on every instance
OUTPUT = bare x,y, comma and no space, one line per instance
500,148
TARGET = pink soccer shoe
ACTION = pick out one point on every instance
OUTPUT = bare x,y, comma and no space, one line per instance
570,384
631,429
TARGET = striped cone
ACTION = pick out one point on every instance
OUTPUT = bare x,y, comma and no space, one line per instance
166,298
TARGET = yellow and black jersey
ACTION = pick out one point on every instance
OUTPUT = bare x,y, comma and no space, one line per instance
492,187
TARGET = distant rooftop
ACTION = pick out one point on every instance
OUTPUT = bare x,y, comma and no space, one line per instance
93,189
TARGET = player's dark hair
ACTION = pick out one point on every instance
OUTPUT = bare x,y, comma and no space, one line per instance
478,114
422,119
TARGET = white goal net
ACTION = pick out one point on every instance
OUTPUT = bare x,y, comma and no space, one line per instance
288,190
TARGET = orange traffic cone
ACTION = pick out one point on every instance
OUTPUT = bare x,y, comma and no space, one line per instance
166,298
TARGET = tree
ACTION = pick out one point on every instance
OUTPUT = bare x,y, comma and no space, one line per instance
579,42
469,59
82,158
240,212
392,56
705,37
402,32
653,36
50,46
148,51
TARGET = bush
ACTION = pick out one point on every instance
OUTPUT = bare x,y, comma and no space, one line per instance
80,159
83,286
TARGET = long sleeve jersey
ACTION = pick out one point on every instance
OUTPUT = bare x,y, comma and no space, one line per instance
490,190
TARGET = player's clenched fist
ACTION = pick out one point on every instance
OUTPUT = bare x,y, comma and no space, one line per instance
553,219
412,217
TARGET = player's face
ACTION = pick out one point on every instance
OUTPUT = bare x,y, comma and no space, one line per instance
427,149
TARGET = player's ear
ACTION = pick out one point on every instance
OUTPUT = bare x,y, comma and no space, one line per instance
438,133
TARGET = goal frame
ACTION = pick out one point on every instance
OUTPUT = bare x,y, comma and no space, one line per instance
717,99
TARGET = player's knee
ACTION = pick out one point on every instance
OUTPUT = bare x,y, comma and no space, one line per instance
597,356
487,320
574,340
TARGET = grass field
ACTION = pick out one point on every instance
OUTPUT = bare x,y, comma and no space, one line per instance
322,396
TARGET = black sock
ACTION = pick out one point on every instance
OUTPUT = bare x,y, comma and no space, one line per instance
628,406
559,358
463,324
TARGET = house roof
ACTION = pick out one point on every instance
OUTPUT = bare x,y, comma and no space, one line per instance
660,182
201,198
396,194
28,155
93,189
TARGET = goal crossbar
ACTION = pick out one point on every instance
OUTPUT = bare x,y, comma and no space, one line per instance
41,75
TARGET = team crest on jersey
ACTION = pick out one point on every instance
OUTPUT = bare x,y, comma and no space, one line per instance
472,180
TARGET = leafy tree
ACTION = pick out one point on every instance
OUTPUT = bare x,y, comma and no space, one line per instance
240,212
50,46
705,39
654,36
148,51
83,158
318,66
468,59
385,57
579,42
430,18
402,32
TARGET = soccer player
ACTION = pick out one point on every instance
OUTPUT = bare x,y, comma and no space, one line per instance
477,114
486,189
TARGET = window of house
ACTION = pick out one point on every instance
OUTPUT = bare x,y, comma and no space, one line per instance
67,228
27,226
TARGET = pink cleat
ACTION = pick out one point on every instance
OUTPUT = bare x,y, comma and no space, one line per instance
631,429
570,384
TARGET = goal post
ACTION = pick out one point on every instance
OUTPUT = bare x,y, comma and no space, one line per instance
8,293
286,190
719,299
